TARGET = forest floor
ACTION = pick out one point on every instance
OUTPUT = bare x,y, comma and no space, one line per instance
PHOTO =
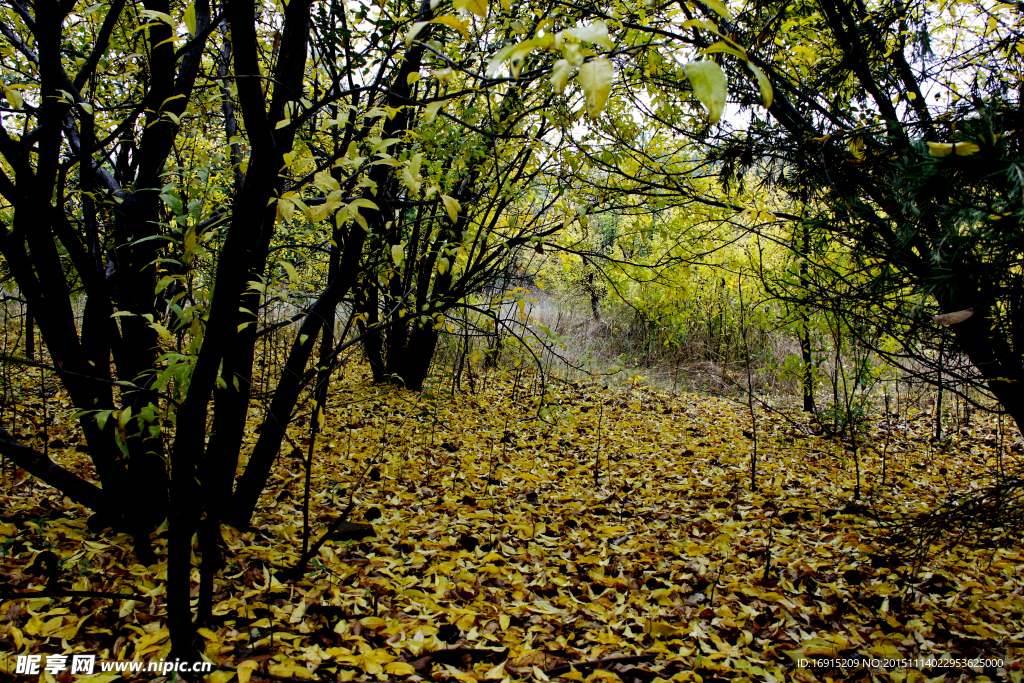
616,537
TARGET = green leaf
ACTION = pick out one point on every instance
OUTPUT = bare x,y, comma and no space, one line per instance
190,19
595,78
709,84
172,202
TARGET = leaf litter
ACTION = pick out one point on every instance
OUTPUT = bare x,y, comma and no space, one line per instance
532,533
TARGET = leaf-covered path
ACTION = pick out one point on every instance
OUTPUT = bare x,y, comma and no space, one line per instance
497,555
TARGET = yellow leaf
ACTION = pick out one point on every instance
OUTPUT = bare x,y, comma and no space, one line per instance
219,676
399,669
709,84
477,7
373,623
452,22
245,670
857,147
452,206
763,84
13,97
495,673
414,30
190,24
944,149
398,253
573,675
560,72
430,111
293,275
885,650
726,47
702,23
595,78
8,529
596,32
289,669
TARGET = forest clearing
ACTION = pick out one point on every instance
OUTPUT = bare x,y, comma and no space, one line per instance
618,541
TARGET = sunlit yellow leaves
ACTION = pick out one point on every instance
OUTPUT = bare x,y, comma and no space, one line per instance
709,84
595,78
